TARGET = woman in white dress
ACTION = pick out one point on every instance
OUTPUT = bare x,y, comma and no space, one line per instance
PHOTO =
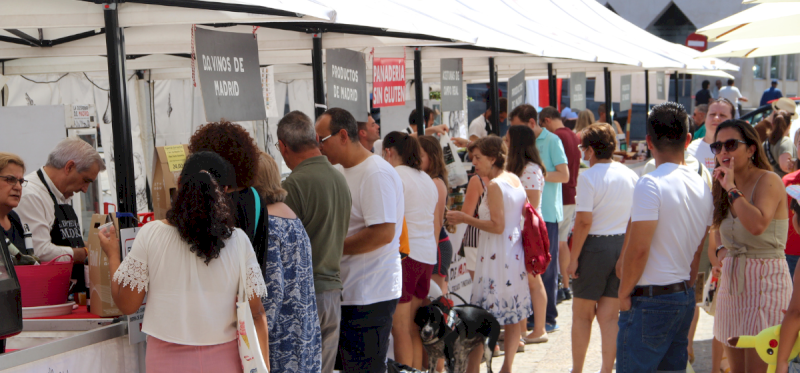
501,281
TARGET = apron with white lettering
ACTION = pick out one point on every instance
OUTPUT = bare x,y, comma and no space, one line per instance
67,232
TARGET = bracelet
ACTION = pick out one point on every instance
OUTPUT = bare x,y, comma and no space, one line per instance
716,253
733,194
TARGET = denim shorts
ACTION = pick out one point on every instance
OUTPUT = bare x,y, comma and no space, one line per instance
653,334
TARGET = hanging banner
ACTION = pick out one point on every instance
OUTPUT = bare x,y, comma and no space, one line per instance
388,82
451,81
346,74
625,93
229,77
516,90
268,90
577,91
660,92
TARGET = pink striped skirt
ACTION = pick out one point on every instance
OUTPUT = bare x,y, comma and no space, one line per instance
166,357
767,292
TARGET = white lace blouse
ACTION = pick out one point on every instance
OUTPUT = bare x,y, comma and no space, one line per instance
188,302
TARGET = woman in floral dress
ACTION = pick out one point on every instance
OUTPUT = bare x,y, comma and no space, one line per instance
501,281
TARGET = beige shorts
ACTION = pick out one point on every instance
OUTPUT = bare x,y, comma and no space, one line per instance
565,226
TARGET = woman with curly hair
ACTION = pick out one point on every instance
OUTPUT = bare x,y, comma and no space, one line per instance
189,265
234,144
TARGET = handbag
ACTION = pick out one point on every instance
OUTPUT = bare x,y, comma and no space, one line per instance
535,241
246,336
709,303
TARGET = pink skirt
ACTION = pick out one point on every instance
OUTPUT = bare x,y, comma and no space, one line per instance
767,292
169,357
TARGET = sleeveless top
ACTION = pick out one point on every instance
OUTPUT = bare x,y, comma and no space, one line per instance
472,233
743,244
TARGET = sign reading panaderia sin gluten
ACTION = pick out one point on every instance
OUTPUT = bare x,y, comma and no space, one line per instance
346,78
229,75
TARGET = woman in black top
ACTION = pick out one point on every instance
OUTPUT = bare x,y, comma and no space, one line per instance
12,170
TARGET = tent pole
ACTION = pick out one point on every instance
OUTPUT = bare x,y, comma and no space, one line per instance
609,108
551,86
646,93
316,70
120,112
421,120
676,86
494,100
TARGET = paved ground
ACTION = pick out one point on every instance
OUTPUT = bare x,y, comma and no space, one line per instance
555,356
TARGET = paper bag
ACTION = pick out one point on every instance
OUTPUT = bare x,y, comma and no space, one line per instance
168,164
102,304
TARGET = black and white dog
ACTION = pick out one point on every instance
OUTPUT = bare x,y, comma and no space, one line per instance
452,332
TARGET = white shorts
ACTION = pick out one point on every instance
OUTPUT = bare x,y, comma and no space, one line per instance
565,226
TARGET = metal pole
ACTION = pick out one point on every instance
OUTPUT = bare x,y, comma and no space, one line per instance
676,86
646,93
609,108
120,112
551,86
494,102
421,120
316,71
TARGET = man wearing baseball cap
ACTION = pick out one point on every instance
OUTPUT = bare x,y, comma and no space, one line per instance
771,93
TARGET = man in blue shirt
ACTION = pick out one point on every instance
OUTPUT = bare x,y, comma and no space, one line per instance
771,93
555,162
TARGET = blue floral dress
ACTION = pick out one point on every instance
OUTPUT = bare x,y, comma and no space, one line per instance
295,343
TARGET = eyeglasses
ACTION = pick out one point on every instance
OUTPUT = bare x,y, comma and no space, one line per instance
327,137
730,145
11,180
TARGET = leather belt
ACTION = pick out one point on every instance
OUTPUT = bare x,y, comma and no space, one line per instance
654,290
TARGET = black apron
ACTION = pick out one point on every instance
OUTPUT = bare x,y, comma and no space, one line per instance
66,231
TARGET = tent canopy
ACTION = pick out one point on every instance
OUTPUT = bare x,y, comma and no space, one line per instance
764,20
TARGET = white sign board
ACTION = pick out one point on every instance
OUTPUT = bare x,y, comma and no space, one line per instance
81,116
625,93
577,91
126,238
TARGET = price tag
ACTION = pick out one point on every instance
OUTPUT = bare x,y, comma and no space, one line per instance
176,157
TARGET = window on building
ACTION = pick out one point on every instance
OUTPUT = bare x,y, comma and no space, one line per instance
759,68
791,67
672,25
775,67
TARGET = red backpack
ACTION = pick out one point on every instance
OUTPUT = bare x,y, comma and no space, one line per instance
535,241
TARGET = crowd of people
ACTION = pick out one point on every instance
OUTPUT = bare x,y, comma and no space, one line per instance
341,254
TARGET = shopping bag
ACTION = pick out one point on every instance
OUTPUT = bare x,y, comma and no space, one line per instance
709,303
456,174
249,350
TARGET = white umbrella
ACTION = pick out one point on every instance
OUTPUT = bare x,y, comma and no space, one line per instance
764,20
767,1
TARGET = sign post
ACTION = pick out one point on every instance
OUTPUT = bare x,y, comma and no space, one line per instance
229,75
660,93
388,82
451,80
516,90
625,93
577,90
346,78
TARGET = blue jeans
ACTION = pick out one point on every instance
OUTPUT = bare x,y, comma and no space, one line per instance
792,261
653,334
550,276
364,336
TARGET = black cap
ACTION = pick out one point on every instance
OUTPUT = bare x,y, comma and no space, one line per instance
214,164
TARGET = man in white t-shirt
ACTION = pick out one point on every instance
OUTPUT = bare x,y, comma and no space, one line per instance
718,112
672,210
480,127
370,266
733,95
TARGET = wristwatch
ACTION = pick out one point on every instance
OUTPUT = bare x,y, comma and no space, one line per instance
716,253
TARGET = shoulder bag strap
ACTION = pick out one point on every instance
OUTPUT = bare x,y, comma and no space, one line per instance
699,168
258,209
242,269
768,150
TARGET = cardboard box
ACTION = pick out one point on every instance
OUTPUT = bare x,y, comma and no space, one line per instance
102,303
168,164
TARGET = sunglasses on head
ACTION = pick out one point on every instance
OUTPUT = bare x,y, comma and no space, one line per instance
730,145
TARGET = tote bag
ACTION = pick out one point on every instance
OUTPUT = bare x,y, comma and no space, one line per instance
456,174
249,350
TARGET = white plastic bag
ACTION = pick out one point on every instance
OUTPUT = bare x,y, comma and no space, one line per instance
709,303
456,174
249,348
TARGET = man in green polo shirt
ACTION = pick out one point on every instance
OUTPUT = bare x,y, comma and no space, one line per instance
320,197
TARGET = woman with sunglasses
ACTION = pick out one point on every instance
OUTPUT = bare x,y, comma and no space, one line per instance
751,221
12,169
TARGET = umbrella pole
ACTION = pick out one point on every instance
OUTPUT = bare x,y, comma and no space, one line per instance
646,93
120,112
422,122
607,86
676,86
551,86
316,70
494,100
